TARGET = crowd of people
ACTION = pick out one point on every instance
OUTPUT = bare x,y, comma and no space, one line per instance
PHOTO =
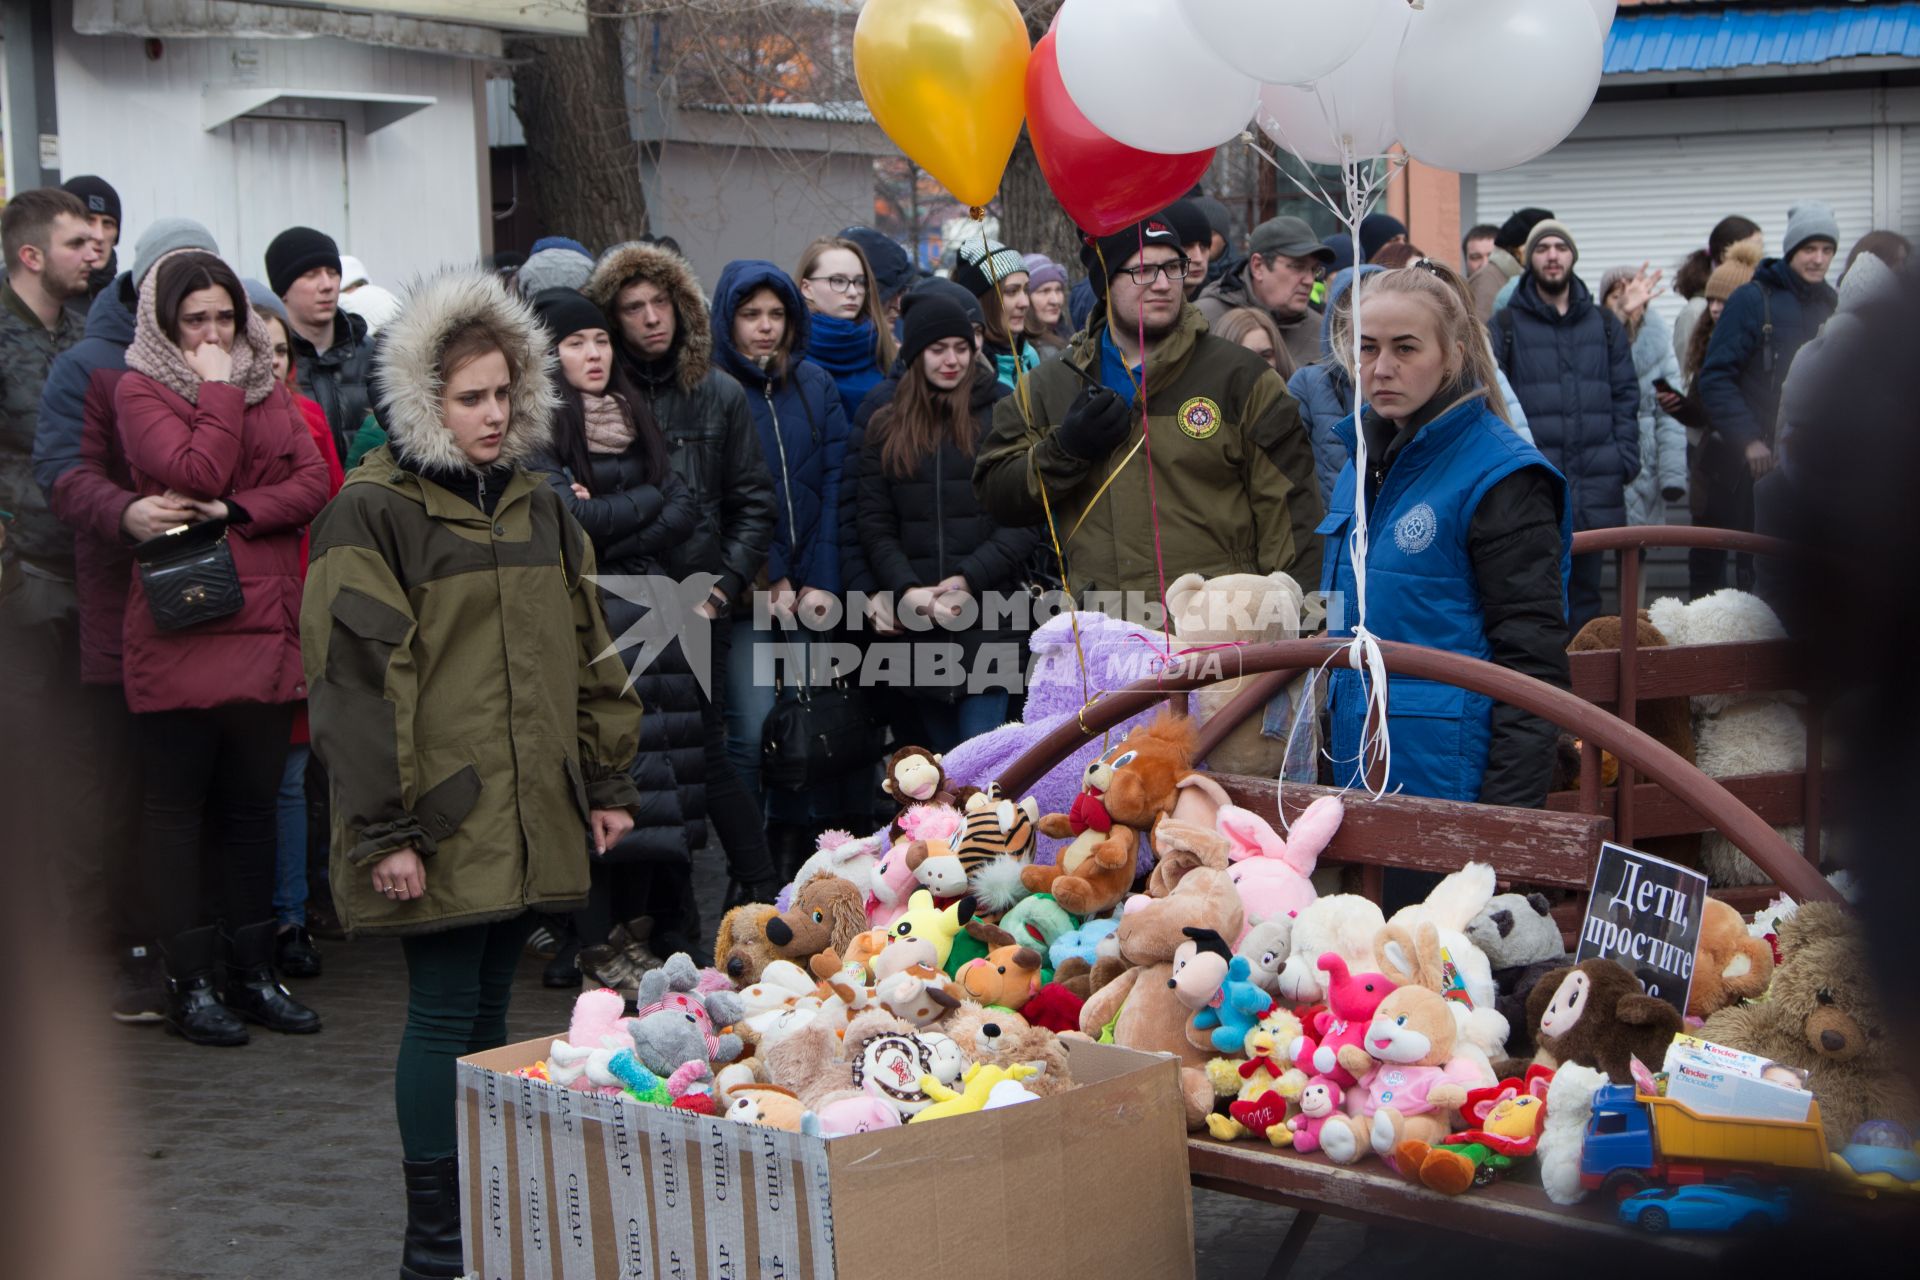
309,589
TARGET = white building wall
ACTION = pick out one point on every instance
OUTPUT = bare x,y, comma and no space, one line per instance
414,190
723,202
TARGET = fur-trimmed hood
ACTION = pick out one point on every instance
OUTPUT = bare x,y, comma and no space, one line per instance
623,264
406,376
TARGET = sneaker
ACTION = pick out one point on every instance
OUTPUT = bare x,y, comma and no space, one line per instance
295,953
542,943
623,958
139,988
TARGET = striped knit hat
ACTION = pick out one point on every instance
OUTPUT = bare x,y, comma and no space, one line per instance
979,266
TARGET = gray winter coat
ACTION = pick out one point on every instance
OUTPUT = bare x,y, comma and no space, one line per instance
1663,441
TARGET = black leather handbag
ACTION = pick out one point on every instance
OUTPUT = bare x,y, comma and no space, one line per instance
188,576
818,735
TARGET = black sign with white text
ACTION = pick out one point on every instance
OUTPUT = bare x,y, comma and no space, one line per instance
1645,913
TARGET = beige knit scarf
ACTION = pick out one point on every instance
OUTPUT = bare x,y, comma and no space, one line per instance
154,354
609,430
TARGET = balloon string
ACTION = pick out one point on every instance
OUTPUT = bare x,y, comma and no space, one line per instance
1022,396
1363,652
1146,437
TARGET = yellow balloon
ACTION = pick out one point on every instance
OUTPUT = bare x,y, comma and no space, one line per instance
946,79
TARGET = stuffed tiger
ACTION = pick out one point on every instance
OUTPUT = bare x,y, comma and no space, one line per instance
995,840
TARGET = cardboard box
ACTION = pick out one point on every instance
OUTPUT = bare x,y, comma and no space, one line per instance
558,1185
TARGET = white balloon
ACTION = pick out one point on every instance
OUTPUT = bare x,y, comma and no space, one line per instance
1548,69
1603,10
1282,41
1349,109
1143,78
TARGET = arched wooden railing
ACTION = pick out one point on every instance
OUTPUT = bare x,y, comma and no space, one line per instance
1598,729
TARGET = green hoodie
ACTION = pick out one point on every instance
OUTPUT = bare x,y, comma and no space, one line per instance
1232,469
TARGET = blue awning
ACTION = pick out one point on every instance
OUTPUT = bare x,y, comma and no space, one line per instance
1724,40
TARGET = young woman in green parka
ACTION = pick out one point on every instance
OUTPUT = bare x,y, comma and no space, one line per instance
475,741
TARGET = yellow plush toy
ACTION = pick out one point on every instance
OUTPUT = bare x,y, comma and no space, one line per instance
975,1085
926,921
1264,1071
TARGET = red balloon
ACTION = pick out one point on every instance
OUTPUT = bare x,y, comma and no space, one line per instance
1102,184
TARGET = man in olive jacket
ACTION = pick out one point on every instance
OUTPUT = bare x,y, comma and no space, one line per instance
1232,467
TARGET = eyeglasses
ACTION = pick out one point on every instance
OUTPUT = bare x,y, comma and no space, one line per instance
1144,275
842,284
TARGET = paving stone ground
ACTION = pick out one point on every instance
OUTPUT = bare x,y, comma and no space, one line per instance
281,1159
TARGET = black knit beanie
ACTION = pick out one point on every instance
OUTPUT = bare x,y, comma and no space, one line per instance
567,311
929,320
296,251
1102,255
95,193
1515,230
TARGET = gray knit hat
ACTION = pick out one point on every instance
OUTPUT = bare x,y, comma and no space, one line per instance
1810,220
162,238
1541,230
554,269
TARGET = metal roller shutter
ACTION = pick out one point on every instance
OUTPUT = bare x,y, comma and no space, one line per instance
1910,180
1654,199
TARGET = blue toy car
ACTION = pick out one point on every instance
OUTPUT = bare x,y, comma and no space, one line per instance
1706,1208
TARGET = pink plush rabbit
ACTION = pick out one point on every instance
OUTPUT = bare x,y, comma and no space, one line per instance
1271,870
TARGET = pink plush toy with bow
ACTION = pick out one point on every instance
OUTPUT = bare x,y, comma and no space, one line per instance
1271,870
893,880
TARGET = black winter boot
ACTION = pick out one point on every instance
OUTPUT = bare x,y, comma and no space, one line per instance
254,993
193,1009
432,1249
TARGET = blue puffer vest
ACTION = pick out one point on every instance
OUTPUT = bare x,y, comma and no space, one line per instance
1421,590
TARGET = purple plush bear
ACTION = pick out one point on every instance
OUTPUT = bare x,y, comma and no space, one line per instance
1118,654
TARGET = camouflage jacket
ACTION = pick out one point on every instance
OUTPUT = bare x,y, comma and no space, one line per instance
27,351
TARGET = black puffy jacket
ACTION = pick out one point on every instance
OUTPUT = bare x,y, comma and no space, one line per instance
633,526
855,573
338,378
917,531
1574,376
703,414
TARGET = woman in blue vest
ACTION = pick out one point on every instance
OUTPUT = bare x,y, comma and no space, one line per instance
1468,543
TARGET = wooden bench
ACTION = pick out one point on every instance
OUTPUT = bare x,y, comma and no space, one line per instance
1510,1212
1524,846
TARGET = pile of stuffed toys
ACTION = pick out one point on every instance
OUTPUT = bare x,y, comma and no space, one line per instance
937,966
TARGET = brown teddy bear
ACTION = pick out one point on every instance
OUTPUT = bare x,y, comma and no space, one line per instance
1131,786
741,950
1668,721
991,1037
1821,1014
1730,965
1142,1004
1598,1015
828,911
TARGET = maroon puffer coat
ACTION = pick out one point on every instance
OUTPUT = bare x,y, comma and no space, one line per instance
261,460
